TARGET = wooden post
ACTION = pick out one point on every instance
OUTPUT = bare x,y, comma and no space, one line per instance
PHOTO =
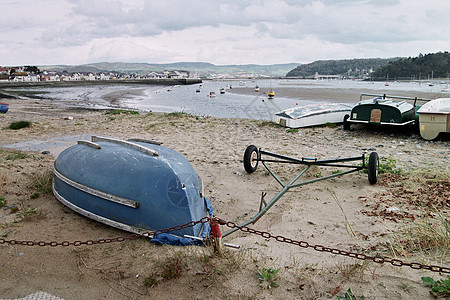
217,235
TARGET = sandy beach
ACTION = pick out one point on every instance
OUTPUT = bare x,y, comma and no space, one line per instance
346,212
303,91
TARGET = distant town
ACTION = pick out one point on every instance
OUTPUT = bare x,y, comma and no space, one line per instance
33,74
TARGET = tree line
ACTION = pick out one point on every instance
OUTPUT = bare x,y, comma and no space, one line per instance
354,68
433,65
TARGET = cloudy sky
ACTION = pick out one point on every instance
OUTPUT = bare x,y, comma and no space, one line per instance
50,32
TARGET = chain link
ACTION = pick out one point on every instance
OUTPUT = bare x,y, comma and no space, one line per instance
264,234
320,248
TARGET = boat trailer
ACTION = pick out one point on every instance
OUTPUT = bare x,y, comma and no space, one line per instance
253,156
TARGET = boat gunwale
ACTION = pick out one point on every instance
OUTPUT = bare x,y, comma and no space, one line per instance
382,123
434,112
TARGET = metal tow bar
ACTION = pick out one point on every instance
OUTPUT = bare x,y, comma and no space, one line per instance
253,155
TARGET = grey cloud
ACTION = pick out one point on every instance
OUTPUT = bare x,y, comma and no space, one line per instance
155,17
361,26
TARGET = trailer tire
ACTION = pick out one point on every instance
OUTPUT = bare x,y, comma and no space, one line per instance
346,122
251,156
372,168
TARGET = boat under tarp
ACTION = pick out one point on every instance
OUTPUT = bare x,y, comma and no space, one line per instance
134,185
312,115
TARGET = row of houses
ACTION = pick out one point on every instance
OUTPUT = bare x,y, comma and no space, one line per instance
18,74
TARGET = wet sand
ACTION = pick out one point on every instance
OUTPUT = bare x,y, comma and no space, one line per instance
332,95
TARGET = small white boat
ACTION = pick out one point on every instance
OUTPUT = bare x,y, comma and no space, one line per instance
222,91
434,118
256,88
312,115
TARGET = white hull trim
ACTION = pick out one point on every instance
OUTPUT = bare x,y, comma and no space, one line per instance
98,218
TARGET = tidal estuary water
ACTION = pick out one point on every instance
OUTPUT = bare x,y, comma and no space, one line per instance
239,100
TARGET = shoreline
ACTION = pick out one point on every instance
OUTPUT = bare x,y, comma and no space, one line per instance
159,81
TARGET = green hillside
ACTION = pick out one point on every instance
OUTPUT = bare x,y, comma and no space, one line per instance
433,65
346,67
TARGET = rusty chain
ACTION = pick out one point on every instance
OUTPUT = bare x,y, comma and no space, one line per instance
264,234
320,248
103,241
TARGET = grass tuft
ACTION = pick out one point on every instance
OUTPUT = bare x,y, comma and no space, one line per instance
172,269
14,154
41,183
386,165
426,236
349,296
122,112
292,130
19,124
178,114
268,277
329,125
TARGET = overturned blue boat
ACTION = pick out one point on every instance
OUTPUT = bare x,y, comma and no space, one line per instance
135,185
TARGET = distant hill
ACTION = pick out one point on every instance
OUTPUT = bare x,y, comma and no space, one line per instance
431,65
359,68
200,68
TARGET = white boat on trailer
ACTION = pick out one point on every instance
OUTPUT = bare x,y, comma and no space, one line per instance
312,115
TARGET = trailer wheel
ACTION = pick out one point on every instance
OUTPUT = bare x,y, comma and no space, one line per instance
372,169
251,159
346,122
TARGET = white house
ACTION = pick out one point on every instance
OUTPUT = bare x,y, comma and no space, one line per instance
90,76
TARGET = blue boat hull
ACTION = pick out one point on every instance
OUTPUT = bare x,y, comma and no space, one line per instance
4,108
135,186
